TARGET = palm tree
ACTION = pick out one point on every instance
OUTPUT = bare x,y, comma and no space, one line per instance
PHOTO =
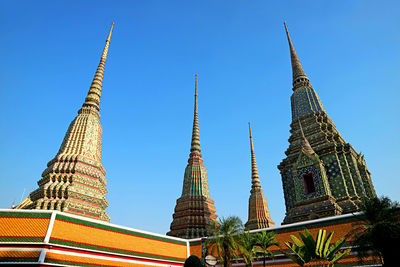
378,230
263,241
247,247
225,238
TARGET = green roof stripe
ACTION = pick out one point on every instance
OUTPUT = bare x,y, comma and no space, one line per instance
21,239
112,250
118,230
24,214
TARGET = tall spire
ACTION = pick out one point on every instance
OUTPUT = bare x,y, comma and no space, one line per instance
299,76
332,178
259,216
94,94
255,179
195,145
194,210
74,180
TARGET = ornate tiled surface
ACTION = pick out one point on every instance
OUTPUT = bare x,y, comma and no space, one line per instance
194,210
74,180
259,216
316,147
23,227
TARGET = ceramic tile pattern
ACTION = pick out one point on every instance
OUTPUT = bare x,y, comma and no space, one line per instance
76,240
194,210
258,208
317,148
74,180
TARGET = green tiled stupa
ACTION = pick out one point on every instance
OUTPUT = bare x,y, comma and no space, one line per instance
322,175
194,210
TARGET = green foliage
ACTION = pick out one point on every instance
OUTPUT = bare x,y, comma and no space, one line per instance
225,239
246,247
193,261
378,230
307,249
263,241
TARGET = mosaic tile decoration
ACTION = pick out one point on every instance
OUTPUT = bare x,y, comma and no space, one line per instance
316,148
194,210
74,180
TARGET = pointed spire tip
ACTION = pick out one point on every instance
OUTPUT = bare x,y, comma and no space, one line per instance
250,130
195,145
287,34
299,76
109,35
195,84
94,94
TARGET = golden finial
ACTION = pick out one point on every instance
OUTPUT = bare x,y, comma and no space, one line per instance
109,35
250,130
195,145
94,94
299,76
195,84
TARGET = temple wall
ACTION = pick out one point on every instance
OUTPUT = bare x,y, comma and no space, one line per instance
43,237
340,225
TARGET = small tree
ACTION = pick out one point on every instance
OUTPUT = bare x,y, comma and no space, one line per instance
193,261
247,245
319,250
225,239
378,230
263,241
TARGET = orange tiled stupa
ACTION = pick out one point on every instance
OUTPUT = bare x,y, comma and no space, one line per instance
74,181
194,210
258,208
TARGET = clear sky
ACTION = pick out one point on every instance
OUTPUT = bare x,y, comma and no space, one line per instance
49,52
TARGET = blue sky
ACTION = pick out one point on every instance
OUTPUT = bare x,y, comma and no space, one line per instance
49,52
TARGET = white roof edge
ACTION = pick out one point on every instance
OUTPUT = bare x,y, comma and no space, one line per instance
332,218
